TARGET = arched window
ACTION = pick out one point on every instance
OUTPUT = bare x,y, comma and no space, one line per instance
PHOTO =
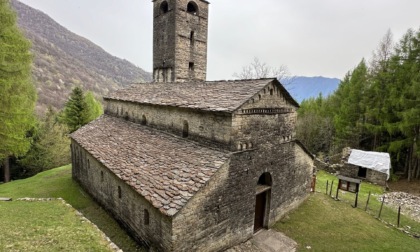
164,7
185,129
192,8
146,217
265,179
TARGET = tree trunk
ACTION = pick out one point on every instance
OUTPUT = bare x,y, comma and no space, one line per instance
6,168
410,161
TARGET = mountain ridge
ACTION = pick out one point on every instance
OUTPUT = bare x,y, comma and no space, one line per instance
304,87
63,60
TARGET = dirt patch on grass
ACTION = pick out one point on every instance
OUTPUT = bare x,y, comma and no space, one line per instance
403,185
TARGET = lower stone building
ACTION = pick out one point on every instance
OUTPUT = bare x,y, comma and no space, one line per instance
366,165
195,166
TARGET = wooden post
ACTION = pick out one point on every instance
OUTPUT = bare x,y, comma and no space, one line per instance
399,216
380,210
326,190
357,197
338,187
313,183
367,202
332,184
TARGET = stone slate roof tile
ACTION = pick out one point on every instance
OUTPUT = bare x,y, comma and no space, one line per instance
225,96
164,169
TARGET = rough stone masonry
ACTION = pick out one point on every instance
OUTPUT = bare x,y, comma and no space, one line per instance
192,165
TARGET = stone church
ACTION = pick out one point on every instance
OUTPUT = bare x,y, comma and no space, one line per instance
187,164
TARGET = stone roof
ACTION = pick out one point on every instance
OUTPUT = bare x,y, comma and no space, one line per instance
225,96
165,169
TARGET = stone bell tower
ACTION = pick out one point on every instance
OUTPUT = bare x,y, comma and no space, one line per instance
180,40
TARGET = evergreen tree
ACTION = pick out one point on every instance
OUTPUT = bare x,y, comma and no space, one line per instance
50,148
405,99
17,93
348,119
75,113
80,109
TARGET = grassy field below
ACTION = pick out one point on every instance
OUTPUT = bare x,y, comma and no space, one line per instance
46,226
324,224
321,223
58,183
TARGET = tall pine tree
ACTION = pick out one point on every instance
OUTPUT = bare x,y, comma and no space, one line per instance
17,93
80,109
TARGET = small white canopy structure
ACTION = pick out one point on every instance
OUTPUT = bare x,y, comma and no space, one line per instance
378,161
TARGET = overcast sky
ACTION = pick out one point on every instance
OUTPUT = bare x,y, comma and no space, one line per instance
311,37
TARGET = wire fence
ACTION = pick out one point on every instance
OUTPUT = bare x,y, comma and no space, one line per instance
373,201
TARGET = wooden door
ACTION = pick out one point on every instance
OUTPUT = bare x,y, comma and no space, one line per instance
260,211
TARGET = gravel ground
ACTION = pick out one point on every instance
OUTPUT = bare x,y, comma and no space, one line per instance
410,204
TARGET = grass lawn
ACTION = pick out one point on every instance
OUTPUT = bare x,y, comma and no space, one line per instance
58,183
46,226
328,225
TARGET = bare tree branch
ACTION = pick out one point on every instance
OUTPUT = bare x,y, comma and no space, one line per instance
259,70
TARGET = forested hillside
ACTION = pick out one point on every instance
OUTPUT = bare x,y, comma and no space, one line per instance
63,60
376,107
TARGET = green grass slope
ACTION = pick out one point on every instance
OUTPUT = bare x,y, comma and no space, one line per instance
46,226
58,183
324,224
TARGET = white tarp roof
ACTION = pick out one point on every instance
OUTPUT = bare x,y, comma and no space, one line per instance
378,161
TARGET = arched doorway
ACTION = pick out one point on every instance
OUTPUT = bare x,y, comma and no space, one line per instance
262,202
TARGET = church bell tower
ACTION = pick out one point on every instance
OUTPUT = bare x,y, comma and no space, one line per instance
180,40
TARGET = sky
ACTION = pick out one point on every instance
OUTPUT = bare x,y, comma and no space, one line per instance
310,37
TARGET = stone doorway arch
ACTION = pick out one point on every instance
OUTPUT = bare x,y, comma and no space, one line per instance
262,202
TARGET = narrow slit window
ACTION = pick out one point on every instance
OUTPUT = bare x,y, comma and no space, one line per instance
146,218
102,176
185,129
143,120
191,66
192,39
119,192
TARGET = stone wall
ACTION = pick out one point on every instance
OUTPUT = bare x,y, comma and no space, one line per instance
266,117
179,41
143,221
222,214
208,127
191,47
163,42
373,176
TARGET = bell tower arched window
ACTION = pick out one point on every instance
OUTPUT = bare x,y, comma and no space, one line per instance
192,8
164,7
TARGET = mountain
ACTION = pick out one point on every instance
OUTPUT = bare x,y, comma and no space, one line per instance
63,60
302,88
